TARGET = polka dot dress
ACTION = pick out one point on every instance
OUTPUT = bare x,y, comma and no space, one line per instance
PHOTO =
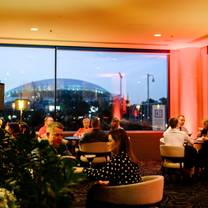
120,170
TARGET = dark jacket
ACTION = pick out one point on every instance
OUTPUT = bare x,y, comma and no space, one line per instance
96,135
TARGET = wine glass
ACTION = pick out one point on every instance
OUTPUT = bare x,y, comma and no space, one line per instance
90,158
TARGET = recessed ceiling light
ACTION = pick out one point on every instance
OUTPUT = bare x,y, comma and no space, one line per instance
157,35
34,29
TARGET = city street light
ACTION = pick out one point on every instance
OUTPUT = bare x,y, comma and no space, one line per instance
148,104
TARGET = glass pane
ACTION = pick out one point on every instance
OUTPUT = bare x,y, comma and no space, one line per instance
28,73
130,86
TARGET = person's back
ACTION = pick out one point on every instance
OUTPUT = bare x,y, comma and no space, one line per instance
96,135
175,137
24,129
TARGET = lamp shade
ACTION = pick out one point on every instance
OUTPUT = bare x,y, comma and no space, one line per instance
21,104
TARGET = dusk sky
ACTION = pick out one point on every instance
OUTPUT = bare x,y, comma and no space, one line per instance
22,65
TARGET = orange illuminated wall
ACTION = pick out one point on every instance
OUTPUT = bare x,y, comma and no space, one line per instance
189,85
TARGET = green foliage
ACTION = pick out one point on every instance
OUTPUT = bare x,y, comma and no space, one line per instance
7,199
38,177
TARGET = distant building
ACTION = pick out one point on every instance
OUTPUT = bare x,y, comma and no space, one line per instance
42,92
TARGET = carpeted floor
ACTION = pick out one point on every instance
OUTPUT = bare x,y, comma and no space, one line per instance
190,195
178,194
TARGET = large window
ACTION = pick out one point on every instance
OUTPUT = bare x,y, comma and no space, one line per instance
26,73
131,86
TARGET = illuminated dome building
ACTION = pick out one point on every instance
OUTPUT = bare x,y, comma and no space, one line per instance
41,93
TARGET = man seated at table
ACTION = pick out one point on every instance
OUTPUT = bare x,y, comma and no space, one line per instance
175,137
96,134
180,125
55,138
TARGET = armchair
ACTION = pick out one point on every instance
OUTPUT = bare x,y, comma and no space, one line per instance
99,151
147,192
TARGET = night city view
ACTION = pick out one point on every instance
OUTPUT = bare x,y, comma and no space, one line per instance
130,86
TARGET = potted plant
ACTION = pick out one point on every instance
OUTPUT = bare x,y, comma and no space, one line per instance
38,177
7,199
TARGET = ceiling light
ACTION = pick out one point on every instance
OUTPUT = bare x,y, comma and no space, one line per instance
34,29
157,35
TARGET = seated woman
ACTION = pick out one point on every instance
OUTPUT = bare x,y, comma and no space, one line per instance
86,128
122,169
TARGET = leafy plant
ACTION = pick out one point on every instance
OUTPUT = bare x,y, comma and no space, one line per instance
38,177
7,199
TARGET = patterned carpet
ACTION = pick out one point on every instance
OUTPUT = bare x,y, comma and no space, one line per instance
192,195
177,194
